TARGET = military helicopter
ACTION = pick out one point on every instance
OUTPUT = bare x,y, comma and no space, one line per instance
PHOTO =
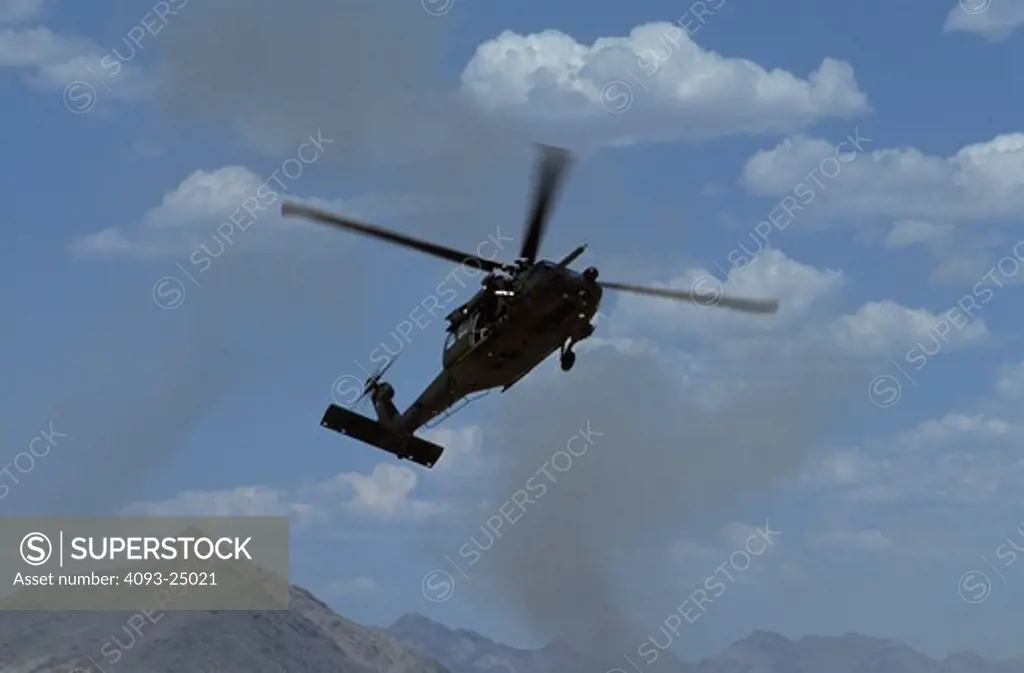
525,311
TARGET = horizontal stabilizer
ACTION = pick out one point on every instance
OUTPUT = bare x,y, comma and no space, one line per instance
372,432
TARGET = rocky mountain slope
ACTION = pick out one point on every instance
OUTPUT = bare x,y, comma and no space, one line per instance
464,651
309,638
312,638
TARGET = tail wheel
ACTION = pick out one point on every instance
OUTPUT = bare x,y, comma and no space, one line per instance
568,359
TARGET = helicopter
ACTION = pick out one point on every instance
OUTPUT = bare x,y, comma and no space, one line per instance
524,312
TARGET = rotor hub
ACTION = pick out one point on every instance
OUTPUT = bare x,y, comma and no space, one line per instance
590,274
383,391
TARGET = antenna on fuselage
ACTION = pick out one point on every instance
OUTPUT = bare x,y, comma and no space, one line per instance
573,256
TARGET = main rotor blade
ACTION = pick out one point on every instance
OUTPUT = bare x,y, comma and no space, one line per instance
387,365
709,300
450,254
554,161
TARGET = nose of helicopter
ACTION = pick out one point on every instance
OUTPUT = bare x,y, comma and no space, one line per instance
590,293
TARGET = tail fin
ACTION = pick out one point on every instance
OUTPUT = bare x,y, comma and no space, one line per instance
383,437
382,396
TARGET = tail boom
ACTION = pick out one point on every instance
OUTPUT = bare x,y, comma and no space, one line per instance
382,395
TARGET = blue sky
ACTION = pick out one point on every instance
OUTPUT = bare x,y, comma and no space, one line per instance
894,128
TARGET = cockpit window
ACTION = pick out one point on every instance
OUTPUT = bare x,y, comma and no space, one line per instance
540,267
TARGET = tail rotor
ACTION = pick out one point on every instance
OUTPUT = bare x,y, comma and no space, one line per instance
373,384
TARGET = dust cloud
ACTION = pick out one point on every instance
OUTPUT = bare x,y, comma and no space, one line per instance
660,458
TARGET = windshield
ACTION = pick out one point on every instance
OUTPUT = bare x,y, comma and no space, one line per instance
466,326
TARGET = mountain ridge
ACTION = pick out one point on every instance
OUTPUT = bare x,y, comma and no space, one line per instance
311,637
761,651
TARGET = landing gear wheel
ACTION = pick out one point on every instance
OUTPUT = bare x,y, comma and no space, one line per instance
568,360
